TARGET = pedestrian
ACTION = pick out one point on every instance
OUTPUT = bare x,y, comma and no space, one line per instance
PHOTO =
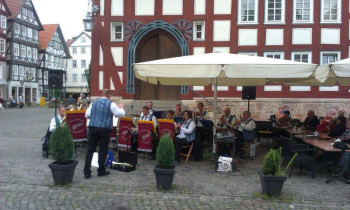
100,113
70,100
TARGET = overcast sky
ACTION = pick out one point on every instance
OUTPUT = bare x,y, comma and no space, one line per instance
67,13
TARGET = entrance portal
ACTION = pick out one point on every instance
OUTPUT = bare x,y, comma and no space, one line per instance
158,44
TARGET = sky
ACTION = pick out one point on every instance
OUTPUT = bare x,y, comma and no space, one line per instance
68,13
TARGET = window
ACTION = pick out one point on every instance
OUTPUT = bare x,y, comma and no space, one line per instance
83,77
74,78
17,28
303,11
35,34
35,54
3,21
29,52
83,50
274,11
117,31
198,30
23,51
74,49
330,11
329,57
74,64
21,70
248,11
24,11
30,14
24,31
305,57
82,39
32,71
2,45
15,70
276,55
16,49
83,63
30,32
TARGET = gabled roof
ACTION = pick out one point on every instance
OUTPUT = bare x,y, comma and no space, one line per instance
15,6
76,38
6,7
70,41
46,35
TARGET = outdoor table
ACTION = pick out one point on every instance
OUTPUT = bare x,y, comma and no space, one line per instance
326,145
293,132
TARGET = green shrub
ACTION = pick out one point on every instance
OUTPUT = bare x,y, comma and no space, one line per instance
61,145
273,163
165,152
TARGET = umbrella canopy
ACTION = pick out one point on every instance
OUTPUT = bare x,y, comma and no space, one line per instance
228,69
333,72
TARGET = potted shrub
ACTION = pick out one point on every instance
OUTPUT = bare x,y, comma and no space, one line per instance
272,175
61,148
165,168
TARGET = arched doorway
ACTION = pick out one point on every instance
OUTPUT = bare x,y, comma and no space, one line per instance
155,45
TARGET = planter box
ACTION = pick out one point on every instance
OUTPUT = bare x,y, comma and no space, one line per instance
271,185
164,177
63,174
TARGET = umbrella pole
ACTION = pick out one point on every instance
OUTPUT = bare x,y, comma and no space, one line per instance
215,111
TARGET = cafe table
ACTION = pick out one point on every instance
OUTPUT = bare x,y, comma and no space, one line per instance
324,143
295,131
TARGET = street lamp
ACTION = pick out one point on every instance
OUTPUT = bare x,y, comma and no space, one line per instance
88,21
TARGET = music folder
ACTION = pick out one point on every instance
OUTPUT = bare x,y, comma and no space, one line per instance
207,123
178,119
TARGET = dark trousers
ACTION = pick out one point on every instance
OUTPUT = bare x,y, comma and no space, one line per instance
178,143
100,137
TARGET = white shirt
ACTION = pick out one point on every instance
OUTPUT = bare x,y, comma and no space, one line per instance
150,111
154,119
116,111
53,122
185,130
250,126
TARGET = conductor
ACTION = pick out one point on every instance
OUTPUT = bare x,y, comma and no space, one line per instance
100,113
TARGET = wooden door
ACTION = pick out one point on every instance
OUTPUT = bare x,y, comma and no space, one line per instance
157,45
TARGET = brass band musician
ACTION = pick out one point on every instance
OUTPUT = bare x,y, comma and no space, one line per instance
227,120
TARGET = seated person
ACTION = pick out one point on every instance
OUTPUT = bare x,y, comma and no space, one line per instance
187,134
345,159
246,129
279,114
150,108
328,123
285,121
341,116
200,114
339,128
13,102
170,116
311,121
146,116
178,112
227,120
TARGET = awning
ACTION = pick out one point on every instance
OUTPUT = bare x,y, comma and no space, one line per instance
3,82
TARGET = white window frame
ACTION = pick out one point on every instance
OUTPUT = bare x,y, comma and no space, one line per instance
281,54
329,52
24,31
195,23
23,51
35,34
16,49
311,20
35,54
3,22
239,18
17,30
74,50
21,70
83,63
15,70
309,53
29,52
339,11
30,33
2,45
24,11
283,13
76,64
33,72
83,77
113,24
74,77
83,50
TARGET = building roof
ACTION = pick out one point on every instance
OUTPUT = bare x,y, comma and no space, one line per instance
77,37
15,6
70,40
46,35
6,8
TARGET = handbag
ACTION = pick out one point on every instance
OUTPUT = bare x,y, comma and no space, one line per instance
341,145
224,164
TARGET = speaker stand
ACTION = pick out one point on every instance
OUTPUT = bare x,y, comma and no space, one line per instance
248,104
55,102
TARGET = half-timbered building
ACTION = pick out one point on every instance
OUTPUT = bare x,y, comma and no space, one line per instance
53,55
4,13
22,50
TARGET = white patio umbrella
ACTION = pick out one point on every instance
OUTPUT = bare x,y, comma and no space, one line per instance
329,74
222,69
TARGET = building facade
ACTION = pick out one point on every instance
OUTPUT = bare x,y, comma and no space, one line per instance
132,31
53,55
80,50
22,50
4,13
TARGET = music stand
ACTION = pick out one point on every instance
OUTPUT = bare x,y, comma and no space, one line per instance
178,119
158,114
145,133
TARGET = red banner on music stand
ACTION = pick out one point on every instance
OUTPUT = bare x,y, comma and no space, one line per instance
144,135
77,124
124,135
166,127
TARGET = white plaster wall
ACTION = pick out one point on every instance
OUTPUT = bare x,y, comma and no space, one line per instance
117,53
172,7
302,36
330,36
222,30
274,36
117,8
144,7
247,37
222,6
199,7
198,50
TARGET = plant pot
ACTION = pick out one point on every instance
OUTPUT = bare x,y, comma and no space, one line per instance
164,177
271,185
63,174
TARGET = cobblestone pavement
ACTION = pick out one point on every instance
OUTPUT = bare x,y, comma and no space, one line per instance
26,181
